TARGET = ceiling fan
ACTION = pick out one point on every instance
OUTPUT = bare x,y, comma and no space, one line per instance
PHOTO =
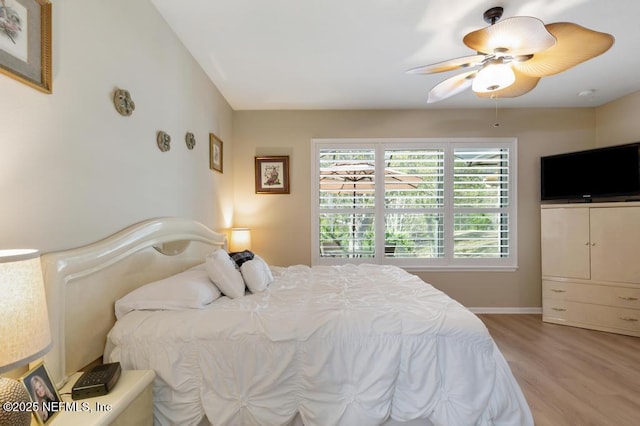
513,54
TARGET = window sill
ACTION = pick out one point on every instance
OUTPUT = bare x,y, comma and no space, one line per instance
474,268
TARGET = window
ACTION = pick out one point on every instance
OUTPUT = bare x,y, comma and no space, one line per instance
416,203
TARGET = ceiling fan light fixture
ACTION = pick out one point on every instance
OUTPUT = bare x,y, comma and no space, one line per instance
494,76
513,54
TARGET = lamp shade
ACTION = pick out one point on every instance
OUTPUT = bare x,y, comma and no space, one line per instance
24,320
240,239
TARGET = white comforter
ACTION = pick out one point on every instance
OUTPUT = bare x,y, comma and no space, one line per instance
347,345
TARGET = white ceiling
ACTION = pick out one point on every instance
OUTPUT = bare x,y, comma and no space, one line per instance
353,54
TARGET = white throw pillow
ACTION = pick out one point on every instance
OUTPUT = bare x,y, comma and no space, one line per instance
256,274
222,271
191,289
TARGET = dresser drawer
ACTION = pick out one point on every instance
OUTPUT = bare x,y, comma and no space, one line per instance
624,297
608,318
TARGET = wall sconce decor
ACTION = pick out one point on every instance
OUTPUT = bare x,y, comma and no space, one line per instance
24,325
190,140
164,141
123,102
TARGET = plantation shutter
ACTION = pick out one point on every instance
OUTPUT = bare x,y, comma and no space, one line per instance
481,200
414,200
415,203
347,200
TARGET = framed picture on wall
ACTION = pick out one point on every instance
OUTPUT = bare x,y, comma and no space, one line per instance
25,42
215,153
42,392
272,175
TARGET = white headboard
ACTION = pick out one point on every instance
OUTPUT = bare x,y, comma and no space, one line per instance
82,284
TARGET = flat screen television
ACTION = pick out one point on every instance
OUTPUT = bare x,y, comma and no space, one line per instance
602,174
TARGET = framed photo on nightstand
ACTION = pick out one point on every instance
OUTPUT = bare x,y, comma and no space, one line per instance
43,393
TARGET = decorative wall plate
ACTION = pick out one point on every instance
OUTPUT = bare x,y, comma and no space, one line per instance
164,141
123,102
190,139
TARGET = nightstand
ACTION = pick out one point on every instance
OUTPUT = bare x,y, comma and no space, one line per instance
130,402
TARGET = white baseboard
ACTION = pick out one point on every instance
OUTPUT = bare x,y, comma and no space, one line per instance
497,310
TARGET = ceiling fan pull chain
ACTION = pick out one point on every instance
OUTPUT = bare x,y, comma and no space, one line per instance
495,98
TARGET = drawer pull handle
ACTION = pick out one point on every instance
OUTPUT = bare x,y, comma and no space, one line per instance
627,298
555,290
629,319
559,309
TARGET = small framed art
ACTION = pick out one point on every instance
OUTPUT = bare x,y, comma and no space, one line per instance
43,393
25,42
272,175
215,153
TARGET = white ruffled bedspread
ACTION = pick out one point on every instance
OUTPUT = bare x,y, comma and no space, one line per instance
347,345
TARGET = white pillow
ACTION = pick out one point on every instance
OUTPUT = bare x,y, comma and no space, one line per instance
222,271
256,274
191,289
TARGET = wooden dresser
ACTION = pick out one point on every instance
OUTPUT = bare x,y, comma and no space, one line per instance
591,266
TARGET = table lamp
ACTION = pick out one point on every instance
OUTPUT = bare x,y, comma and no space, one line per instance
24,325
240,239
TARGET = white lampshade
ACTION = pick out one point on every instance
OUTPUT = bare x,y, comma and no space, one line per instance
240,239
493,77
24,320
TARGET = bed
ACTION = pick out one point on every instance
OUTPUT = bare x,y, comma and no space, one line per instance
345,345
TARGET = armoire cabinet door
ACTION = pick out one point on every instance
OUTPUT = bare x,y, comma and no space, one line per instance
565,242
615,244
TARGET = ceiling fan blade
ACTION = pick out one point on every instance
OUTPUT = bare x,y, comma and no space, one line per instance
520,35
575,44
451,64
523,84
451,86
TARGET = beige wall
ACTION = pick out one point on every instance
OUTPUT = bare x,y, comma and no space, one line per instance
72,170
618,122
281,223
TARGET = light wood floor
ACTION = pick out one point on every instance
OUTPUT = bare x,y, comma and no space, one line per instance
571,376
